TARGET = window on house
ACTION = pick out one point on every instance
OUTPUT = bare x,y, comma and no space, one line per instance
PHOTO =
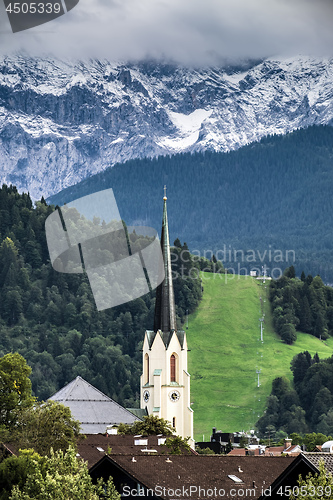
173,368
174,422
235,478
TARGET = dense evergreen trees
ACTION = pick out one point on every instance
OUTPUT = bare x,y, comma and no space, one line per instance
305,406
301,304
272,195
306,305
51,319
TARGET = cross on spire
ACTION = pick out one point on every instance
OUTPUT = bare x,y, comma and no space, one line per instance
165,196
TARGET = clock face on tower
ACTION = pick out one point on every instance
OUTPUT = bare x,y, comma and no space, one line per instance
174,396
146,396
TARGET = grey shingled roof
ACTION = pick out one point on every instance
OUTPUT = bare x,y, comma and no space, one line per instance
94,410
315,457
139,412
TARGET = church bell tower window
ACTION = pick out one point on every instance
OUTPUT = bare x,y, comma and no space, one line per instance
147,368
173,368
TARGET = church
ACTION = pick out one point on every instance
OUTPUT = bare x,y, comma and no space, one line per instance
165,381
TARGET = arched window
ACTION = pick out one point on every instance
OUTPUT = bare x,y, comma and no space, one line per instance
173,368
147,368
174,422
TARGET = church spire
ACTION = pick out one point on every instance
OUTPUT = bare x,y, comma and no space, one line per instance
165,310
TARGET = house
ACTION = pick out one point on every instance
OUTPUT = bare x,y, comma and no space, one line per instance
96,446
327,447
143,466
219,440
244,452
273,451
303,464
196,476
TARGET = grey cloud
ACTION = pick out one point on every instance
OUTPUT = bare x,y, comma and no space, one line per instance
188,31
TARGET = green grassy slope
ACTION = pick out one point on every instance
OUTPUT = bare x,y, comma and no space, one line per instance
226,350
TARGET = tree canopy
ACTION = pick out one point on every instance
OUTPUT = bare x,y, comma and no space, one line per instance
62,476
304,305
151,425
262,199
314,486
47,426
51,319
306,405
15,389
27,422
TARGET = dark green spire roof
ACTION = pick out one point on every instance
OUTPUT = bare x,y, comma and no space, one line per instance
165,310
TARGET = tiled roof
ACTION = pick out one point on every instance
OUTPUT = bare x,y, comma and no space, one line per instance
241,452
293,450
275,451
203,471
91,407
114,445
315,457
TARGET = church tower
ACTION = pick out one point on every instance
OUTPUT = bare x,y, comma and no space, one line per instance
165,381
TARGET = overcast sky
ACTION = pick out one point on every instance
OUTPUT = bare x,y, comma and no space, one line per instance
187,31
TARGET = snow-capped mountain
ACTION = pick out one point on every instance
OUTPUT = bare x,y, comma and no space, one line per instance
62,121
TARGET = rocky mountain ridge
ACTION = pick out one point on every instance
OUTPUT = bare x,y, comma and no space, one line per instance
62,121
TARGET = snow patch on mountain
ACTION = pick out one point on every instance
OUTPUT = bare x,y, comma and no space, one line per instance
188,129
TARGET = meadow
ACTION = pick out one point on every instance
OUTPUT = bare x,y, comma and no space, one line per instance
226,351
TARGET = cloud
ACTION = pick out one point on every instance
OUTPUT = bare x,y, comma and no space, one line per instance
187,31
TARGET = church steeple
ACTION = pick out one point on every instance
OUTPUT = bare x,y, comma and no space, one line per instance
165,310
165,381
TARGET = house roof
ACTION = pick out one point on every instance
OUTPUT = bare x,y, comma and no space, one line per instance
139,412
94,410
9,449
95,446
315,457
275,451
202,471
241,452
299,465
293,450
278,450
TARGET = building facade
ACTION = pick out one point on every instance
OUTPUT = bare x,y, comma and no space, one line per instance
165,381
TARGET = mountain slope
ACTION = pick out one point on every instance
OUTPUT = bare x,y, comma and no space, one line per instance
270,200
62,121
226,351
